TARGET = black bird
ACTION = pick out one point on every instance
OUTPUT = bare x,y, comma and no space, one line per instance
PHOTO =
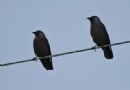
100,35
42,48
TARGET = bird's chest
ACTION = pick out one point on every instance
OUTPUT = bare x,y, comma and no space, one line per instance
40,47
97,34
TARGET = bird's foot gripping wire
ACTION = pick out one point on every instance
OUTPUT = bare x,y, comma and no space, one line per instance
35,59
94,47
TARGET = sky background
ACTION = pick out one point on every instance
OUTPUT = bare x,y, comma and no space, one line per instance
66,27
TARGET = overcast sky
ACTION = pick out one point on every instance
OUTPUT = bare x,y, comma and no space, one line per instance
66,27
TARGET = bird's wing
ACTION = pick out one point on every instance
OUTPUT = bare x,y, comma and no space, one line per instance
48,46
105,32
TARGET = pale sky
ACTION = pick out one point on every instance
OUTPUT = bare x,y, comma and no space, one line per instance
67,29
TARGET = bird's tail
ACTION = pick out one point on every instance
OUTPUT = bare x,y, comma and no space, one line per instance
47,63
108,52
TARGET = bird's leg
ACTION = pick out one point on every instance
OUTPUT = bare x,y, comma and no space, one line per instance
35,59
94,47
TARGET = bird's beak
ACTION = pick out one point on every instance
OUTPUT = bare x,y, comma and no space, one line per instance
34,32
88,18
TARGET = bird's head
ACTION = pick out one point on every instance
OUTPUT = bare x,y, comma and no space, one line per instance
38,33
93,18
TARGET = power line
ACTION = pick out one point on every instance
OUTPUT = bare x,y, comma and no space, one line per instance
65,53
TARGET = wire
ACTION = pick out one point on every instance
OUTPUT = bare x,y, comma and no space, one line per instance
61,54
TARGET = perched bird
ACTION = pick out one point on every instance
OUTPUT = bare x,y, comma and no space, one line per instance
42,48
100,35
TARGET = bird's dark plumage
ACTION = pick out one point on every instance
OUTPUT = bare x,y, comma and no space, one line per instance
100,35
42,48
